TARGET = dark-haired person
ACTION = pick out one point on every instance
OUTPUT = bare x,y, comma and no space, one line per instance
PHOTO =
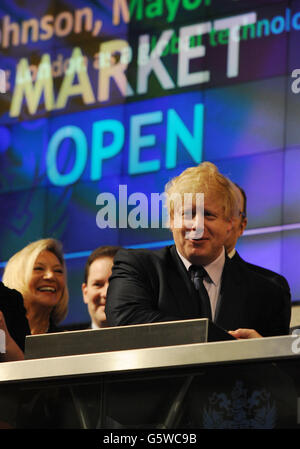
13,325
94,288
239,224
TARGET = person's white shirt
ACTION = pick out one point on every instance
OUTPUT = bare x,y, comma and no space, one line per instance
232,253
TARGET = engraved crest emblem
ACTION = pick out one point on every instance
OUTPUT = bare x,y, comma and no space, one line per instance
240,410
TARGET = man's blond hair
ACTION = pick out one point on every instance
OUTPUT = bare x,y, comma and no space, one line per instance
204,178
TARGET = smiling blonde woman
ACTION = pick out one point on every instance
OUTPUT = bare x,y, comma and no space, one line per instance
38,272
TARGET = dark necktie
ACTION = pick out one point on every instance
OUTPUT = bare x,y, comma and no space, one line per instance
198,273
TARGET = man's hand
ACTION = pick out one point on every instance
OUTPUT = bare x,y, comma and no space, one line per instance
242,334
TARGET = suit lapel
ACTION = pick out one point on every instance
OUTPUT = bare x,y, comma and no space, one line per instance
230,307
237,258
231,298
181,285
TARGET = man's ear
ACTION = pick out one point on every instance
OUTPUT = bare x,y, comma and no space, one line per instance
84,292
243,225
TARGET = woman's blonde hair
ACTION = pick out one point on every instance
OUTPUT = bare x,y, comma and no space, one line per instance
204,178
18,271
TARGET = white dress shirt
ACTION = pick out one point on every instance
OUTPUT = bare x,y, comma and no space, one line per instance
214,270
232,253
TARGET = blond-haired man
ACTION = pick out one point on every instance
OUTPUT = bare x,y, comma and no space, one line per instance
154,286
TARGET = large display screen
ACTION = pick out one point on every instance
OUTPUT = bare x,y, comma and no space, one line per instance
103,101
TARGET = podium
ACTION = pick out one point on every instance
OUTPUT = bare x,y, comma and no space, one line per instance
205,384
126,337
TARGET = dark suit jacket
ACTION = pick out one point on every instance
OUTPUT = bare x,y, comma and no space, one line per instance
151,286
271,275
12,307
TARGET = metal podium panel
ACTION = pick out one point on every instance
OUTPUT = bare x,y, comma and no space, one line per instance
218,385
142,360
89,341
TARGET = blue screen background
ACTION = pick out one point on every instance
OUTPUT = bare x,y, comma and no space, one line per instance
250,130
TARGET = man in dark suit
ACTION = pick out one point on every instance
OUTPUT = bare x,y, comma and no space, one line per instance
150,286
13,323
239,224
